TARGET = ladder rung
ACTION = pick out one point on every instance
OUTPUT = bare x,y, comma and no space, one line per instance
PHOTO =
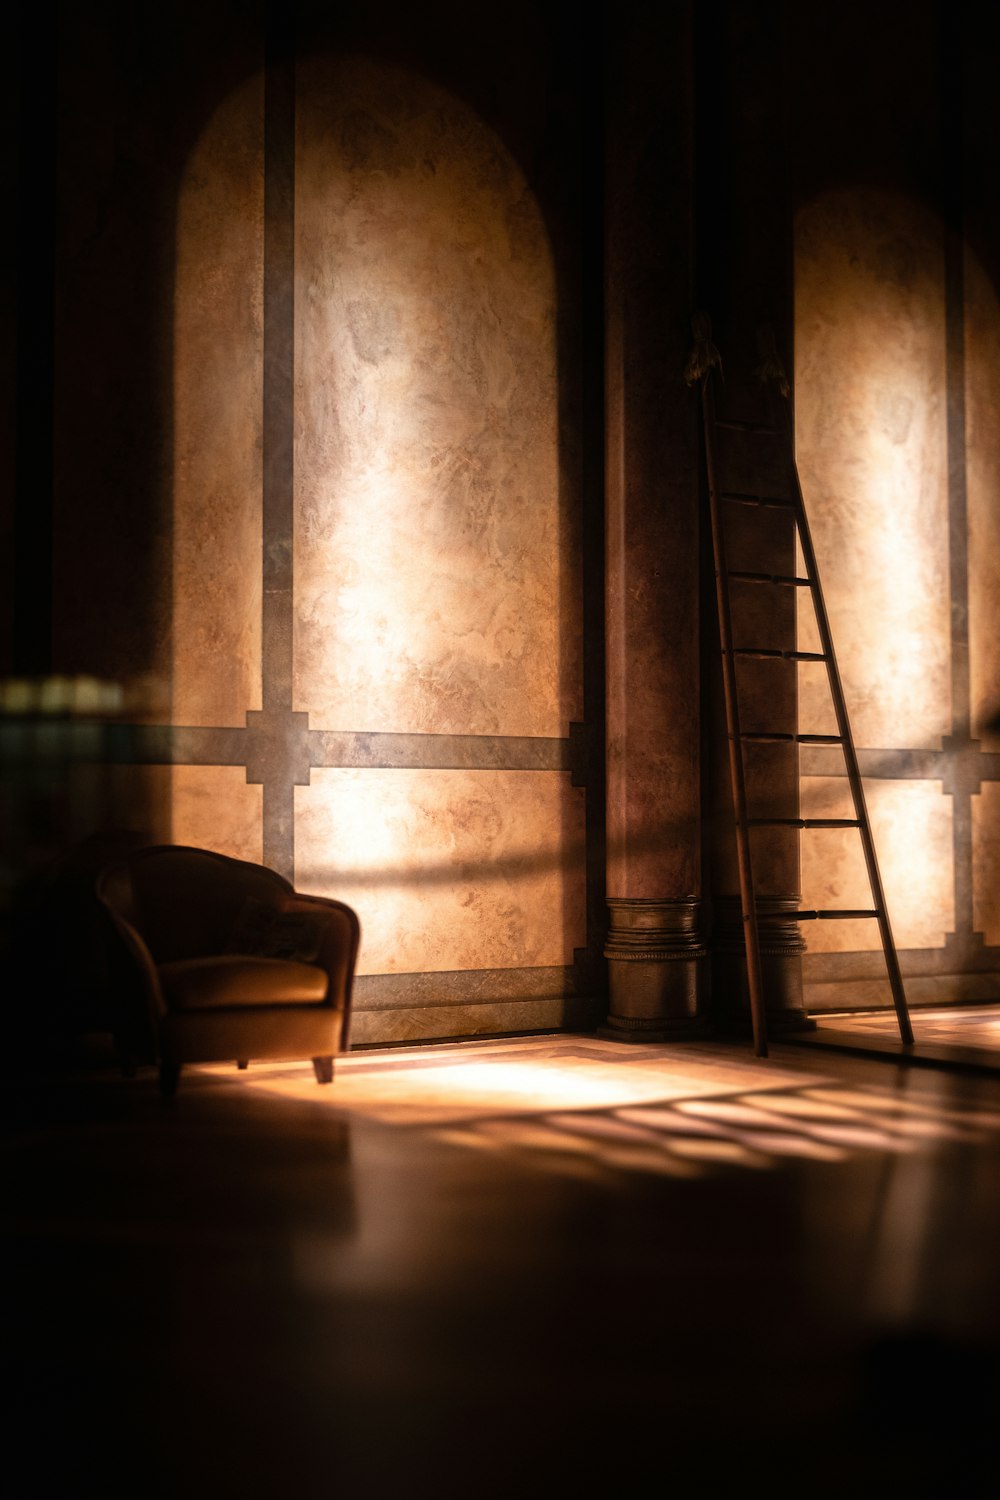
791,502
767,655
734,424
803,823
787,580
831,916
762,738
742,497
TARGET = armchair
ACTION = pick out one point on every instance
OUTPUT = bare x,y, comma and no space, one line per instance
221,958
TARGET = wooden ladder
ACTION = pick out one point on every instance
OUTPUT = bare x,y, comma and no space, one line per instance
719,499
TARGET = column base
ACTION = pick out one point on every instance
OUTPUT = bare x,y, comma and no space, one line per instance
619,1030
655,960
781,949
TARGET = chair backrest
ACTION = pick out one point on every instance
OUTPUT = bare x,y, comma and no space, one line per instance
184,902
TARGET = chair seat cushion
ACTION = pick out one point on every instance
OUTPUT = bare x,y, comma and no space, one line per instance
232,980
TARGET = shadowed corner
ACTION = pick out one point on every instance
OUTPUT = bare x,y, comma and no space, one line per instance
925,1412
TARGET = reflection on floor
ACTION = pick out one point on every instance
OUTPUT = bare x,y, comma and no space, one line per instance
578,1105
959,1036
496,1268
976,1026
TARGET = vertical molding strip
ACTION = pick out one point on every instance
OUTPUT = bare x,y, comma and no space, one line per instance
952,144
278,429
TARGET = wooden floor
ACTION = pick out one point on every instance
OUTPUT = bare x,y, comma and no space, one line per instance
977,1026
956,1036
554,1264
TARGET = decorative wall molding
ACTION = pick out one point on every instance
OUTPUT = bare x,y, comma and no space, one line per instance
781,952
646,930
461,987
655,952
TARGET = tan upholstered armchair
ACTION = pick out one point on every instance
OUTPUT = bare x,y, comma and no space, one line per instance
220,959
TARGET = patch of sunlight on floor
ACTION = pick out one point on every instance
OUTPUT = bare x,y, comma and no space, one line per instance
863,1138
532,1136
726,1113
781,1143
436,1090
731,1153
585,1108
639,1160
800,1108
876,1102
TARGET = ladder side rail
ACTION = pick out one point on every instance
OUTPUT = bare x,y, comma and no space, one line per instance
852,763
736,770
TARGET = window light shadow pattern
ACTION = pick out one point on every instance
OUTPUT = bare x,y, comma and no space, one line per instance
586,1109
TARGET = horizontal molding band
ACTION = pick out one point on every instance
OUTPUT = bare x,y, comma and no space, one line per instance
441,752
404,1024
461,986
894,765
654,930
955,957
195,745
192,745
778,933
865,995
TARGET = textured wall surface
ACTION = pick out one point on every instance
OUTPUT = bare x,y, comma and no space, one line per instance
982,395
872,451
912,828
870,429
432,558
986,861
218,378
448,869
436,577
209,806
213,807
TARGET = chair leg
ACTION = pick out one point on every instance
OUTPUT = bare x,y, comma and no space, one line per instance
242,1064
170,1073
323,1068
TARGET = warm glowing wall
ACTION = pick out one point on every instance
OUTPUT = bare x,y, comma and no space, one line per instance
435,551
450,869
217,401
870,416
428,542
872,401
982,345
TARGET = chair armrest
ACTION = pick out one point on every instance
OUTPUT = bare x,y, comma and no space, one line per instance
135,972
338,954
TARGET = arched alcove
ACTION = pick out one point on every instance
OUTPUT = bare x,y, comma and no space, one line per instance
893,339
435,599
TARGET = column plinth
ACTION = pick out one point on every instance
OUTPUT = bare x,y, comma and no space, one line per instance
781,949
654,951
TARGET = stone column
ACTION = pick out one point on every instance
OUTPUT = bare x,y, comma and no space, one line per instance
744,282
654,949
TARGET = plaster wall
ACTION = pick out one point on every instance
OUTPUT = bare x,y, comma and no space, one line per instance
912,828
448,869
430,541
982,436
218,417
986,861
870,430
872,406
436,557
